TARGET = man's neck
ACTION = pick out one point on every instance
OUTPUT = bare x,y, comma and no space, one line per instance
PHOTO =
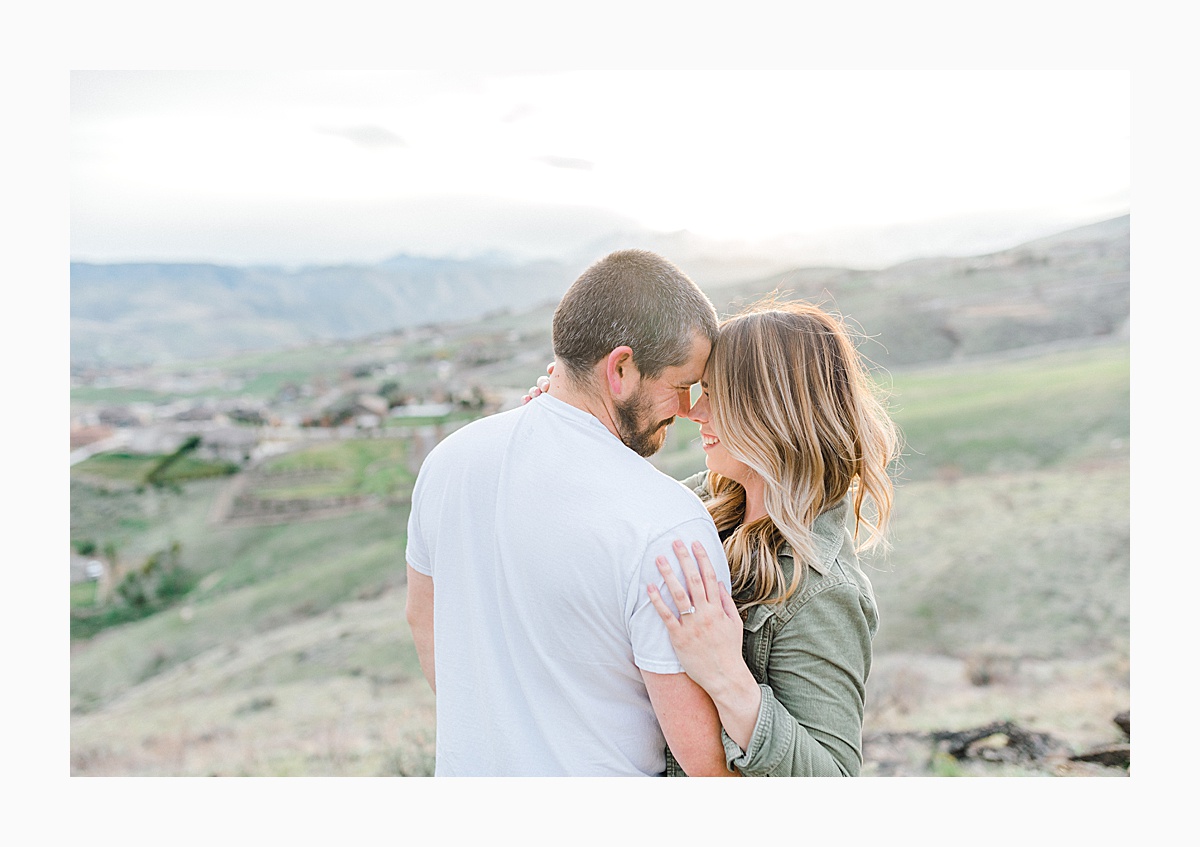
583,397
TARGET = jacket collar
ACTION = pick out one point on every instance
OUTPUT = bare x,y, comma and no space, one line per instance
828,535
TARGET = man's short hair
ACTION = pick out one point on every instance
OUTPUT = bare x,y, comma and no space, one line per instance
631,298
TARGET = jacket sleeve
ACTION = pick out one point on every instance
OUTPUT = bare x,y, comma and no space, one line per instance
810,720
698,483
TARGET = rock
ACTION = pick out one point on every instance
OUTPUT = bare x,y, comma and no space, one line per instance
1111,755
1002,741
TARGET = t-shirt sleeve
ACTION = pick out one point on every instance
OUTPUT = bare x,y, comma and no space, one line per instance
652,650
416,552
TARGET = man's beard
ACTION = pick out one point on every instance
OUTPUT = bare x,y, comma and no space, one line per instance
643,438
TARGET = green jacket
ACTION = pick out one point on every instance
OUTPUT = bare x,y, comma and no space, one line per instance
811,656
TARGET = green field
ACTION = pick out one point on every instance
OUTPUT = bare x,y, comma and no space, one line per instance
83,594
134,469
117,467
1015,415
291,656
343,468
250,580
86,396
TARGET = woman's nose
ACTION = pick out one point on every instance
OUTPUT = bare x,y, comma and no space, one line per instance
699,410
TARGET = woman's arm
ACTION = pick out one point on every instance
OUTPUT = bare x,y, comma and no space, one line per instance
807,721
810,720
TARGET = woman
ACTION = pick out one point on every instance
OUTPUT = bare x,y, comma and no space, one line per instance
797,446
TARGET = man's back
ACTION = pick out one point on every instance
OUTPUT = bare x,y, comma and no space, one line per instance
540,530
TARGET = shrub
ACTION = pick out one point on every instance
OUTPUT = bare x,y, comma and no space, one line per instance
155,475
160,582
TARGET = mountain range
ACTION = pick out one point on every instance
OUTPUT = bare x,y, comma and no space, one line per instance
1073,284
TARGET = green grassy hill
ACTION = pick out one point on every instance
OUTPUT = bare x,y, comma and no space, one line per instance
290,655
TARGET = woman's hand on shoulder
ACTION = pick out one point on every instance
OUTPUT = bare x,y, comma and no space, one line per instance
707,635
541,387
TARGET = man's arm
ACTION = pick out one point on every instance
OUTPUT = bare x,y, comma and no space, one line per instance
418,609
689,722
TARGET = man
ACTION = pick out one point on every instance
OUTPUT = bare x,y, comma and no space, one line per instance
533,536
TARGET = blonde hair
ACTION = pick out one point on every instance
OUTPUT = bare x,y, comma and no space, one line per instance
791,398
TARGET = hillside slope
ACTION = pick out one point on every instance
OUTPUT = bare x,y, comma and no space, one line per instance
1071,286
291,656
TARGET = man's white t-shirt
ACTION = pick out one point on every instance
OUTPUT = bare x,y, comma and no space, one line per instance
540,530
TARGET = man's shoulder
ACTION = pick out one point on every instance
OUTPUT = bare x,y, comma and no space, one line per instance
480,429
468,445
661,495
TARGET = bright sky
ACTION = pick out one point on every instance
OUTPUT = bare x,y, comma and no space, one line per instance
357,166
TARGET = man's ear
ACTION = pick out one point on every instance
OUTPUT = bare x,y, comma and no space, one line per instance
620,371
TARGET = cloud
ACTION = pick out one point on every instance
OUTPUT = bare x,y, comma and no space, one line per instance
565,162
371,137
518,112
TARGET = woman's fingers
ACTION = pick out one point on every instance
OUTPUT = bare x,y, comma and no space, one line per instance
678,593
700,587
540,387
728,605
691,573
707,574
664,611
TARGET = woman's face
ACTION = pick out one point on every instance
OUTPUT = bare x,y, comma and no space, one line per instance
716,457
